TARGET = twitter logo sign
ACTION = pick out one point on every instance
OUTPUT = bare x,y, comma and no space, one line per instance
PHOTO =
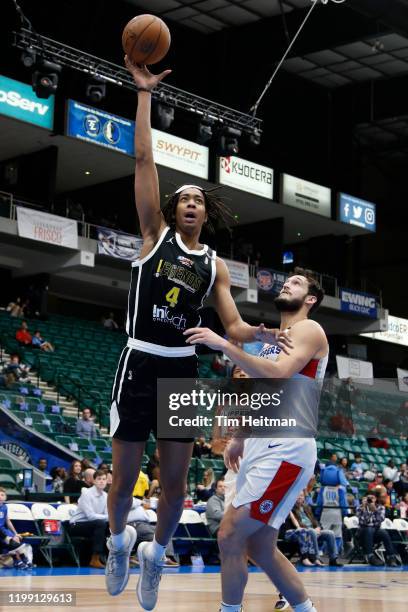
355,211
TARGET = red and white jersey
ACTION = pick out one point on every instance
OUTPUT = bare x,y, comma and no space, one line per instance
316,368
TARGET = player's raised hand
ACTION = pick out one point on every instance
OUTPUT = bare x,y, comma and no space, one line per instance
275,336
233,453
142,77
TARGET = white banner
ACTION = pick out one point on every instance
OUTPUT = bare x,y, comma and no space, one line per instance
402,379
247,176
397,332
239,273
305,195
118,244
180,154
47,228
361,371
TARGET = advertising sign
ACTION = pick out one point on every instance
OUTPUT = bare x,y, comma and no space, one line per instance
47,228
116,244
402,379
305,195
19,101
180,154
247,176
357,212
363,304
270,281
101,128
239,273
355,369
397,332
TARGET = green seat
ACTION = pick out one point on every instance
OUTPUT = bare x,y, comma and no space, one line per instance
41,428
64,440
5,463
100,444
105,456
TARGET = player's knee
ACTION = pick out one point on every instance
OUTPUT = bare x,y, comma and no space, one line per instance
226,537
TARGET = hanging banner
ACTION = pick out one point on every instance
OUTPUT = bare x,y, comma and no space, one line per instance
355,211
359,303
402,379
47,228
270,281
239,273
397,332
355,369
19,101
180,154
246,175
101,128
306,195
116,244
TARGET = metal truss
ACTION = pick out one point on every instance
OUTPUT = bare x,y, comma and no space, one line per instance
117,75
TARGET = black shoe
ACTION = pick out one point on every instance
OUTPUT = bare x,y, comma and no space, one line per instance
375,561
392,562
335,563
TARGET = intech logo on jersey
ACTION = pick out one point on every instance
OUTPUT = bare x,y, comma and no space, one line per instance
162,314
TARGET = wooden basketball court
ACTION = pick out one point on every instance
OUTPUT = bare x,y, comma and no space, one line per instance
348,590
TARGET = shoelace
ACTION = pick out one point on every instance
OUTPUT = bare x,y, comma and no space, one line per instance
113,561
154,572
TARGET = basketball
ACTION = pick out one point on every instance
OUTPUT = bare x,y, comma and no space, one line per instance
146,39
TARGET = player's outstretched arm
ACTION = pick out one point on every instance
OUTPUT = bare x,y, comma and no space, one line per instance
234,326
309,341
146,180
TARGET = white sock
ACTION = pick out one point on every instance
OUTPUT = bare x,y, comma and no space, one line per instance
119,540
230,607
155,551
306,606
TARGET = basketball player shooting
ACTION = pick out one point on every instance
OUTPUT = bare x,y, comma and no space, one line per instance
169,284
270,472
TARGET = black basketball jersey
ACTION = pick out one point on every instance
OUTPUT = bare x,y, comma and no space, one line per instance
167,289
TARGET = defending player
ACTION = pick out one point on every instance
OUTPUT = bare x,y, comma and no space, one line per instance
271,472
170,281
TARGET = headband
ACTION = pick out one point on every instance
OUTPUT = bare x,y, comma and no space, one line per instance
187,186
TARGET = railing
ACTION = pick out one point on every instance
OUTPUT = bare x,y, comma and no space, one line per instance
90,231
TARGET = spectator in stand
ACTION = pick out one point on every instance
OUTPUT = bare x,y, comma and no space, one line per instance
10,542
59,476
139,519
207,488
74,483
42,344
390,472
15,368
215,507
370,516
89,474
401,484
383,499
110,323
91,517
85,427
85,463
142,486
104,466
333,460
377,482
23,336
356,468
201,448
15,309
390,493
344,465
43,466
153,466
306,520
155,487
403,506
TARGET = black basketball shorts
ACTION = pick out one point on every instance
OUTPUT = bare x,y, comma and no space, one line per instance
133,412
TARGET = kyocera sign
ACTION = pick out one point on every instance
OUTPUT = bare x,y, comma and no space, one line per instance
18,100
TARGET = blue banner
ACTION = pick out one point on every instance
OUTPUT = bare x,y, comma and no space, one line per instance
25,443
270,281
18,100
357,212
364,304
101,128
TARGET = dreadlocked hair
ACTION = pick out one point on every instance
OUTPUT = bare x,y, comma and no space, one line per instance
219,214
